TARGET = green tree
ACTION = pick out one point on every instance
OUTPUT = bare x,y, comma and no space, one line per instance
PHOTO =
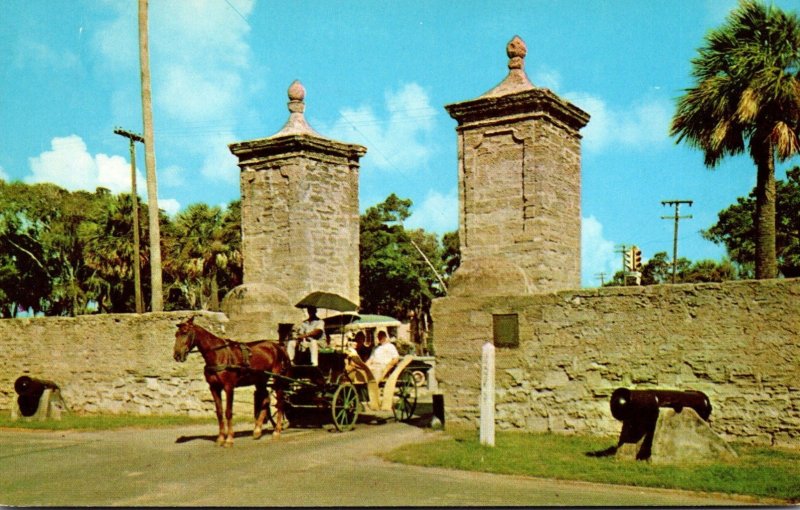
451,255
24,269
395,279
747,95
658,270
203,250
108,250
735,228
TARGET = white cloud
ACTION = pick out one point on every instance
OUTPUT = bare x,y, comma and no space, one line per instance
597,253
171,176
399,141
201,76
3,175
169,205
70,165
219,163
437,213
35,53
643,125
547,78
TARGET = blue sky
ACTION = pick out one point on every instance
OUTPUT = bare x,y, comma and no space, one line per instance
377,74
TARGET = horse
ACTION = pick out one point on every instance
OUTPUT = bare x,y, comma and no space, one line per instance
231,364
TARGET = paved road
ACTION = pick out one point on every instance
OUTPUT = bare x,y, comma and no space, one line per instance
181,466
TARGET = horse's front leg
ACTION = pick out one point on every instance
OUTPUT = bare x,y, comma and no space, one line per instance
229,414
216,392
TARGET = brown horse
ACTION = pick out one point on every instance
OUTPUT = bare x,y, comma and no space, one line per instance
230,364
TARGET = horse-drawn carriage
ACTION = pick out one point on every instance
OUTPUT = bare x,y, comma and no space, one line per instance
340,385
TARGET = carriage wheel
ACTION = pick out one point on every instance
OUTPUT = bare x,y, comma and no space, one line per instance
405,397
344,407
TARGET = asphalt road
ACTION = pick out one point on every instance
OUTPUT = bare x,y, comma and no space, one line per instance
181,466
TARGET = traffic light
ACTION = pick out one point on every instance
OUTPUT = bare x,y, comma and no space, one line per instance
629,260
636,255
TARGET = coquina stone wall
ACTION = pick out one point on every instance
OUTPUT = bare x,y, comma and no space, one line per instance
119,363
739,342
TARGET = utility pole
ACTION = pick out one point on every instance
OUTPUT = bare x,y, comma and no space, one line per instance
157,296
602,277
137,276
677,217
623,249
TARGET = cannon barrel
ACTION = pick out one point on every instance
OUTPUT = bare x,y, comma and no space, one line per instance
629,404
32,388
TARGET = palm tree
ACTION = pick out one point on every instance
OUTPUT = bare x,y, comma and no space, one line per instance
747,92
201,251
108,253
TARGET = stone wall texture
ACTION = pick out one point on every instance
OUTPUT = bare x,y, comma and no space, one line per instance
300,224
739,342
120,363
520,197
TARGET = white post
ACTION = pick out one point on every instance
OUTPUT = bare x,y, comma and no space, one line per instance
487,394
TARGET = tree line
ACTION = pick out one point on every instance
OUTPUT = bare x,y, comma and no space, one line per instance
68,253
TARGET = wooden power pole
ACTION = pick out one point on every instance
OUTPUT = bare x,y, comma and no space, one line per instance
677,217
137,276
156,297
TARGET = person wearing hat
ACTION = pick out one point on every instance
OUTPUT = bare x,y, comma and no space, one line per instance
383,355
308,333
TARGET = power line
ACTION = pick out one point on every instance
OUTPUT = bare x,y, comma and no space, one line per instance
237,12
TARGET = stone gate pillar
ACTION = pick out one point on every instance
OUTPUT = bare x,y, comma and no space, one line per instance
519,185
300,222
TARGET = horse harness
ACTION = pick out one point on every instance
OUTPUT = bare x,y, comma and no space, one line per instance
244,365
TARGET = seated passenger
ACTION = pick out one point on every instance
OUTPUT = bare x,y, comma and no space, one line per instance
382,356
363,346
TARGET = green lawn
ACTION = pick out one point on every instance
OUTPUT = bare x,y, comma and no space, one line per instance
761,472
100,422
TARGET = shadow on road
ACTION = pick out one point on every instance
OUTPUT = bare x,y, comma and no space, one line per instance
421,419
212,438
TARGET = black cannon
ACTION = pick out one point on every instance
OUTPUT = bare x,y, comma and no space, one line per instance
30,392
630,404
638,411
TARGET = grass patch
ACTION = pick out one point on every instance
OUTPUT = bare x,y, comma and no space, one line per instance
760,472
101,422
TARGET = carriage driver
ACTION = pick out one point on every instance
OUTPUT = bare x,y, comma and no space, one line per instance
308,333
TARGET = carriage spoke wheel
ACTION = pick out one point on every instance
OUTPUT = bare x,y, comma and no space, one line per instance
405,397
344,407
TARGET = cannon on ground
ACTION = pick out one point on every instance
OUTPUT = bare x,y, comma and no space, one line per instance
631,404
37,397
638,411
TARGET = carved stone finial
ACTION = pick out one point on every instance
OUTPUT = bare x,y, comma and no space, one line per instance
517,80
297,94
516,51
296,124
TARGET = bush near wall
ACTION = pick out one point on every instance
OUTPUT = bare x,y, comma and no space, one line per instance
108,363
739,342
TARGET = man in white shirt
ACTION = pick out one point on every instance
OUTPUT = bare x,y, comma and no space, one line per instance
310,331
382,356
